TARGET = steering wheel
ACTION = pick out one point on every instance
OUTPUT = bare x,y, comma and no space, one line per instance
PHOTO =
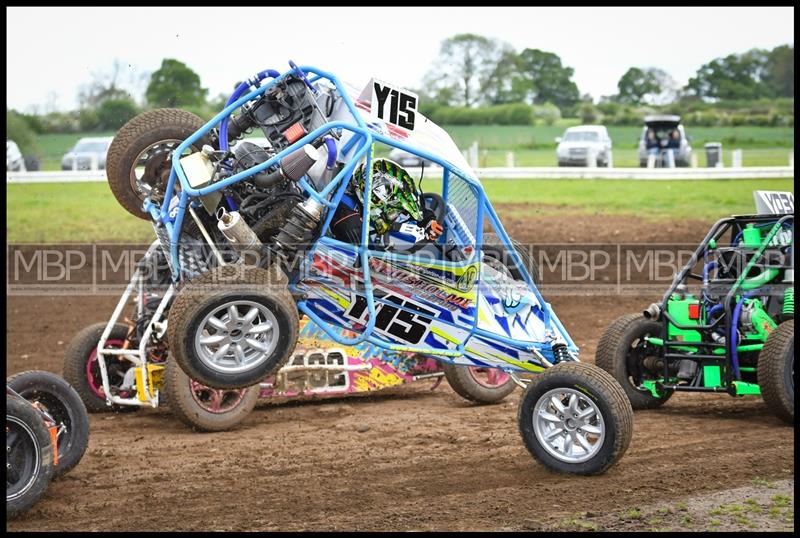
435,203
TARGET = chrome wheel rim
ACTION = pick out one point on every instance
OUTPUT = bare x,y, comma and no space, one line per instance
568,425
237,336
139,182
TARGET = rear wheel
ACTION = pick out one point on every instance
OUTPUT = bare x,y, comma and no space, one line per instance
233,326
29,456
624,353
479,385
60,404
82,369
776,371
203,408
139,158
574,418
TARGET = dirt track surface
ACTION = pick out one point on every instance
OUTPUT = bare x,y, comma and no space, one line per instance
407,458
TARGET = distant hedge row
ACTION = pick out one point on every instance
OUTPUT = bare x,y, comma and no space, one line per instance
779,113
762,113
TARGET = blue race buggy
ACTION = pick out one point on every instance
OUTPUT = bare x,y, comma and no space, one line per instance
247,227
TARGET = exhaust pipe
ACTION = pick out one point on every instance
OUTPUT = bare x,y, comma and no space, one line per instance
653,312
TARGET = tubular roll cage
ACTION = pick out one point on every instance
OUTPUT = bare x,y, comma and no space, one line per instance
717,231
363,139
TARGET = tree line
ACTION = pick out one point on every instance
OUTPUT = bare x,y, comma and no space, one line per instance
476,78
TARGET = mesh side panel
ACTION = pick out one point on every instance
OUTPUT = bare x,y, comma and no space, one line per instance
462,217
163,240
190,256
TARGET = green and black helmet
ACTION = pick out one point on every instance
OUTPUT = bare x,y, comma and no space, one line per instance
393,193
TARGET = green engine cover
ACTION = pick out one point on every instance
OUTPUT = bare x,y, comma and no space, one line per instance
679,310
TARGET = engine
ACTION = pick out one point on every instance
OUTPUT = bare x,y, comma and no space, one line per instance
269,209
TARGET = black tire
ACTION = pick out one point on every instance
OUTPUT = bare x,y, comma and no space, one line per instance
494,248
190,403
141,133
466,386
80,352
220,285
595,386
29,456
51,393
776,371
613,351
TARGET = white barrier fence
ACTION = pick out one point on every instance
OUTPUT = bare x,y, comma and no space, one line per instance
64,176
645,174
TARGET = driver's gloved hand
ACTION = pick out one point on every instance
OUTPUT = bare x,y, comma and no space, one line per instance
433,230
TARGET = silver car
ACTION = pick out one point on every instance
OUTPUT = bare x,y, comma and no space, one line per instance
88,154
584,144
661,135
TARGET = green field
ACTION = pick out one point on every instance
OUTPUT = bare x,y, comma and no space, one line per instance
87,212
535,146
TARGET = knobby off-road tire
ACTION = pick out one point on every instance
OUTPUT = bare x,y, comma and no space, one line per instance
30,456
205,297
776,371
202,408
80,352
145,131
493,247
612,353
465,385
600,404
61,402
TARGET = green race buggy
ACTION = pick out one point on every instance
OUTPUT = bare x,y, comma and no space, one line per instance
726,324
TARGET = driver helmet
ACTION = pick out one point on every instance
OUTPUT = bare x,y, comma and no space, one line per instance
393,193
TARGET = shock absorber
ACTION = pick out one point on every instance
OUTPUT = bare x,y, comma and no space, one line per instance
297,230
560,353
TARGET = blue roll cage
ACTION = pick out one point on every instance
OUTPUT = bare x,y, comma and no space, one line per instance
363,139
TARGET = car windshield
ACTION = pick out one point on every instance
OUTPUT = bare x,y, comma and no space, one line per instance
581,136
91,147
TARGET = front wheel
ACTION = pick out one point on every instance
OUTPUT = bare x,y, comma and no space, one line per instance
479,385
29,456
233,326
60,404
574,418
203,408
624,352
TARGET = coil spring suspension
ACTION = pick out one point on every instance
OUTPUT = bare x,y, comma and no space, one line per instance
560,353
788,301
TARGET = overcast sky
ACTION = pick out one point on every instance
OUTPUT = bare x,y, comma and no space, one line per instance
52,51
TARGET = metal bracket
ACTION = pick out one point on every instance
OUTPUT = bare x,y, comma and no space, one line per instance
522,383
